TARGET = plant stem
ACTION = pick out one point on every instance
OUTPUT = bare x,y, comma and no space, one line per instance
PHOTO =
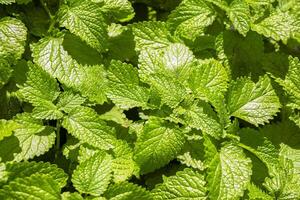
52,24
57,147
46,9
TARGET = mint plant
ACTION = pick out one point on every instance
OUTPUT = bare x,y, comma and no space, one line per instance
149,100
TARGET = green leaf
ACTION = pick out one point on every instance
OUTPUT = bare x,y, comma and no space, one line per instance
9,148
34,139
50,55
7,2
241,56
171,91
153,35
71,196
285,181
37,20
176,60
84,19
158,144
208,75
69,101
116,115
239,14
259,2
291,82
41,90
7,127
93,83
192,155
123,165
119,9
278,26
13,35
260,146
150,62
186,184
286,152
37,186
255,103
229,173
127,191
93,175
282,132
121,42
85,124
166,71
85,152
257,193
26,169
124,87
80,51
201,116
190,18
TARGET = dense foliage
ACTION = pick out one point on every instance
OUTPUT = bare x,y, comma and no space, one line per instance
149,99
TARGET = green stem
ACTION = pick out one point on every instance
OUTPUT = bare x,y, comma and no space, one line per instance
57,147
44,4
52,24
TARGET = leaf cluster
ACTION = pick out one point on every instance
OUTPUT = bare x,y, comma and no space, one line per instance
149,100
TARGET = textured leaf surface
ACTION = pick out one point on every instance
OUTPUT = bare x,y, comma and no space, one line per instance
84,19
239,14
41,90
291,82
37,186
26,169
257,193
7,2
191,17
69,101
49,54
123,165
84,124
34,138
278,26
117,115
288,153
208,74
192,155
255,103
120,9
229,173
176,60
124,87
154,35
127,191
201,117
93,83
285,180
13,35
93,175
186,184
158,144
171,91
